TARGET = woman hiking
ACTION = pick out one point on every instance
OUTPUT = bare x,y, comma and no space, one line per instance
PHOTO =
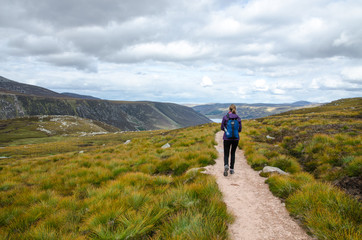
231,125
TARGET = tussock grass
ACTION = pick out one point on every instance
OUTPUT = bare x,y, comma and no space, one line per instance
329,212
318,146
100,188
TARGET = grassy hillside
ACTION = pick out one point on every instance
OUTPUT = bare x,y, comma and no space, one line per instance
98,187
37,129
321,148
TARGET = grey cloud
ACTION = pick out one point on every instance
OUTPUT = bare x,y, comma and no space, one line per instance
103,41
68,13
34,45
258,39
77,61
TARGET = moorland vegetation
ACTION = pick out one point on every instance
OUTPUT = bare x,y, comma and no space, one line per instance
321,149
98,187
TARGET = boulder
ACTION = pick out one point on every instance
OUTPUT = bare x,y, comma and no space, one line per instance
269,169
127,142
167,145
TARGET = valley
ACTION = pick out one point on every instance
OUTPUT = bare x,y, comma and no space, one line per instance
67,177
250,111
20,100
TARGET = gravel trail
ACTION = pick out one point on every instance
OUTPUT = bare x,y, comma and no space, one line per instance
258,214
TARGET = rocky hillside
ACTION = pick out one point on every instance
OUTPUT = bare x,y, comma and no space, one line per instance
19,100
10,86
74,95
249,111
128,116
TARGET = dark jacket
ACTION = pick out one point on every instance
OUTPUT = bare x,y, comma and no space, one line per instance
225,121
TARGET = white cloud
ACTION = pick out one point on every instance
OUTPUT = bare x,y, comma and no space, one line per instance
278,91
289,84
241,92
206,82
336,83
260,85
222,26
353,74
173,51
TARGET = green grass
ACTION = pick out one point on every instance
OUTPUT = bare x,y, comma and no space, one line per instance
41,129
318,146
113,190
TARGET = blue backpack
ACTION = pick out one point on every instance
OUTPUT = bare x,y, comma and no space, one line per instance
232,128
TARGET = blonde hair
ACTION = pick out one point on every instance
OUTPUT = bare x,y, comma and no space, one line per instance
232,108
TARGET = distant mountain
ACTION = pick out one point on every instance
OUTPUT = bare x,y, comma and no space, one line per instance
301,103
19,100
74,95
249,111
7,85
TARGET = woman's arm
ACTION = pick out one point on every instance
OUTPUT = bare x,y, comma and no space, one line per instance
223,124
240,126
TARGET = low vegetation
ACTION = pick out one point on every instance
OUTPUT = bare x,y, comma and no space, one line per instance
77,186
321,148
38,129
98,187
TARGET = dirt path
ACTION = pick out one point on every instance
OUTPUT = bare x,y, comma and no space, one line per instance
258,214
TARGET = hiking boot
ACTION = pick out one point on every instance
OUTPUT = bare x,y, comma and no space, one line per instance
226,169
232,171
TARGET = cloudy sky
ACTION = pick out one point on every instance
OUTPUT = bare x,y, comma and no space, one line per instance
186,51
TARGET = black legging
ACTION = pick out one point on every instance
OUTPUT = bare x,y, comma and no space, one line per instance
234,145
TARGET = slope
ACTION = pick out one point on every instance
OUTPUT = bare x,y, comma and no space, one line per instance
97,187
321,149
325,141
11,86
18,100
37,129
127,116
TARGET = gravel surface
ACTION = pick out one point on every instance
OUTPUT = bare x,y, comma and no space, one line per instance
258,214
